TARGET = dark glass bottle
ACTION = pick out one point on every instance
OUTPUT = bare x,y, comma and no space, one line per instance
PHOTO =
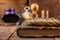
10,16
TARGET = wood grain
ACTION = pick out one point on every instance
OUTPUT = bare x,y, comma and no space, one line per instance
15,37
5,32
52,5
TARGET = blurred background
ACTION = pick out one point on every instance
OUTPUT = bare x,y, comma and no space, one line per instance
52,5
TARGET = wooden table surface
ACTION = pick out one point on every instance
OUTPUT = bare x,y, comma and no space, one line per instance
9,33
6,32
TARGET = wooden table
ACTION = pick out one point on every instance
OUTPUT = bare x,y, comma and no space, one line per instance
9,33
6,32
